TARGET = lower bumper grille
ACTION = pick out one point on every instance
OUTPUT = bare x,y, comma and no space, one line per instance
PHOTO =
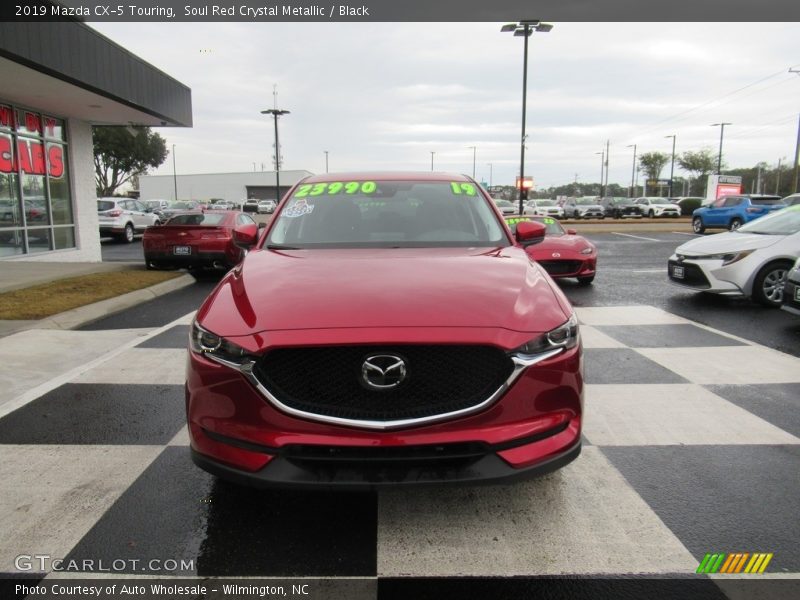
692,275
329,381
561,267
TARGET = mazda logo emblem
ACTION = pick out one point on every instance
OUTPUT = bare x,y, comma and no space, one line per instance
383,371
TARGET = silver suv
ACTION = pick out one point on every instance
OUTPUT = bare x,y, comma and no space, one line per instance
122,218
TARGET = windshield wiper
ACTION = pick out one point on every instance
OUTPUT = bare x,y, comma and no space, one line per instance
281,247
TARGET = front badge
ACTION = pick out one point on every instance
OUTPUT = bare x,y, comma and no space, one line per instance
383,371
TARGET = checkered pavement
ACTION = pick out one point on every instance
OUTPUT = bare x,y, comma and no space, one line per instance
691,445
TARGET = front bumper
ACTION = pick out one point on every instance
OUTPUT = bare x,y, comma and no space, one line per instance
236,433
708,276
791,297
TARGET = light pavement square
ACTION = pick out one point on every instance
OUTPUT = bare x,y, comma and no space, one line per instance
651,415
584,518
181,438
728,365
626,315
138,365
53,495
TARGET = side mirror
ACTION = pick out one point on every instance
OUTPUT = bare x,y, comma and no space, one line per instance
245,236
571,232
261,225
530,232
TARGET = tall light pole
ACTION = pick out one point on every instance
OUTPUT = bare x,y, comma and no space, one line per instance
275,112
474,151
721,133
524,29
796,147
490,174
608,152
326,160
432,153
602,167
632,190
174,173
672,165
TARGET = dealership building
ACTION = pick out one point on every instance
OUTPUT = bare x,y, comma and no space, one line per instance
60,79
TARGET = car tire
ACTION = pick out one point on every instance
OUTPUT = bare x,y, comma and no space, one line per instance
127,236
586,280
768,284
651,214
735,224
697,225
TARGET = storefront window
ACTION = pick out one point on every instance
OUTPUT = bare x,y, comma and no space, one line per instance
36,213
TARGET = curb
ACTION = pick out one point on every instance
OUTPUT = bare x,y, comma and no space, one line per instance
83,315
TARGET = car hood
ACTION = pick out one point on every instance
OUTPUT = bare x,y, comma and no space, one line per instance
275,290
544,248
730,241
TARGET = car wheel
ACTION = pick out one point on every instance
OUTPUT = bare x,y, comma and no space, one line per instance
127,235
586,280
697,225
735,224
768,285
651,214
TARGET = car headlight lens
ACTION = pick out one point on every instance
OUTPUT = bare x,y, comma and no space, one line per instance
205,342
729,257
563,336
587,250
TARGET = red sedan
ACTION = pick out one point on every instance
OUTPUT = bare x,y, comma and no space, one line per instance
563,253
198,241
386,329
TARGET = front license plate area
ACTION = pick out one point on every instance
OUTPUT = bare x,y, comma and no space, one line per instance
797,293
677,272
182,250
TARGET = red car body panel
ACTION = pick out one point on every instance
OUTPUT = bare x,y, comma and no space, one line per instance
279,299
208,243
568,248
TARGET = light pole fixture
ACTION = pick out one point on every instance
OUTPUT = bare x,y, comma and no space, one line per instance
326,160
432,153
721,133
490,174
672,165
474,151
275,112
524,29
602,154
174,173
631,190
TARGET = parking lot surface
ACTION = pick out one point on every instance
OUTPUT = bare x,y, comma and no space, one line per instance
691,445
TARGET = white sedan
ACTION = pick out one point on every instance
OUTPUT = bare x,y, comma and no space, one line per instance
751,261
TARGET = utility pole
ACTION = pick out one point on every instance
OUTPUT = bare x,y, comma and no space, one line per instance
721,133
632,191
602,154
796,147
672,165
778,178
326,160
174,173
604,189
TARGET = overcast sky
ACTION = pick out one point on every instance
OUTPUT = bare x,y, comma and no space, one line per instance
384,96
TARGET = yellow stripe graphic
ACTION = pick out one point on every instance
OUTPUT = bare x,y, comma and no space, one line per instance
749,568
759,559
765,563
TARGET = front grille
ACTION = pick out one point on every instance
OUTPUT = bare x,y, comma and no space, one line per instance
561,267
692,275
327,381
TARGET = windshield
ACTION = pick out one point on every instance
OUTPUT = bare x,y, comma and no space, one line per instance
585,201
546,202
782,222
552,227
380,214
205,219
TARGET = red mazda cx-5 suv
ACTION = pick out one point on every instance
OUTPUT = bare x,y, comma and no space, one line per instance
385,329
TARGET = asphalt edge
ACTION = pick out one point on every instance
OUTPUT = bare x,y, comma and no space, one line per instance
84,315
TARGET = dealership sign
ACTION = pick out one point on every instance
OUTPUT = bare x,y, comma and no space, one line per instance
30,158
723,185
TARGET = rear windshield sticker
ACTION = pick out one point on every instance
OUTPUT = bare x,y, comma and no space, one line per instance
299,208
332,188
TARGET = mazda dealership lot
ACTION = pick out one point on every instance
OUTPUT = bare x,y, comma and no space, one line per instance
691,420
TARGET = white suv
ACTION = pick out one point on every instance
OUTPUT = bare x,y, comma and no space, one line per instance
653,206
122,218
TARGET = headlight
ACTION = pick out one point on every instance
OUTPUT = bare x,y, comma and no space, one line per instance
587,250
207,343
563,336
728,258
